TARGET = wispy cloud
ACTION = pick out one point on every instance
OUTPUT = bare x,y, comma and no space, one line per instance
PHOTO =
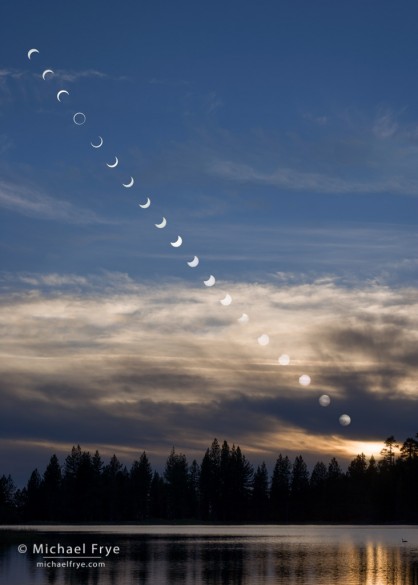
11,74
299,180
385,124
214,102
72,76
5,143
30,202
17,83
52,280
345,153
315,119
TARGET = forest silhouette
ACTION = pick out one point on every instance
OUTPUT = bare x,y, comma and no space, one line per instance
224,487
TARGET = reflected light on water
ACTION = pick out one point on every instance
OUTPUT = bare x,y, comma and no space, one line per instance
215,555
382,566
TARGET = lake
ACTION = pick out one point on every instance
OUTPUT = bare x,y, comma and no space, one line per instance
206,555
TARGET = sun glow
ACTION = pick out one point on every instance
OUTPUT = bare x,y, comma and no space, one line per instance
369,448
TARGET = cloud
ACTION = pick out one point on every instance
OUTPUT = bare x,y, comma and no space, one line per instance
11,73
30,202
70,76
385,124
344,154
18,83
318,120
53,280
288,178
73,76
214,102
5,143
107,361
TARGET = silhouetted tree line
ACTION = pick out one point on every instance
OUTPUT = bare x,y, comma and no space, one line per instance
225,487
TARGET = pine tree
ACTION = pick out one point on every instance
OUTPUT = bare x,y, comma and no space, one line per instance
97,488
317,485
299,489
176,477
318,475
34,501
158,497
336,492
193,489
358,467
52,489
388,453
7,499
409,450
115,490
210,483
357,480
224,490
280,489
407,480
241,481
140,487
72,463
260,494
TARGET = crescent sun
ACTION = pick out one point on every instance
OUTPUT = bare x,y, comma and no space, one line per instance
177,243
45,73
226,301
145,205
129,185
193,263
113,165
244,318
61,92
97,145
210,281
162,224
31,52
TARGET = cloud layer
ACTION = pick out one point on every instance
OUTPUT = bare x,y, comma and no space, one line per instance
32,203
110,363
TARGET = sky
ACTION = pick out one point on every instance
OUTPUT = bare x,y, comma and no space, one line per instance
280,141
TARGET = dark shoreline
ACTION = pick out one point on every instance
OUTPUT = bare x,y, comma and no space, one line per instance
205,523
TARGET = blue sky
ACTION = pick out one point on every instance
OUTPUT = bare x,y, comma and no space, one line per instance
280,140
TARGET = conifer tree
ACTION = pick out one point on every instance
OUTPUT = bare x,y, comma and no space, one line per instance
280,489
140,487
51,490
176,477
260,494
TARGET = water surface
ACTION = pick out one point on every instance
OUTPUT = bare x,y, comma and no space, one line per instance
209,555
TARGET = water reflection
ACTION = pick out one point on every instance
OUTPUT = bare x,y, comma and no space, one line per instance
294,557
